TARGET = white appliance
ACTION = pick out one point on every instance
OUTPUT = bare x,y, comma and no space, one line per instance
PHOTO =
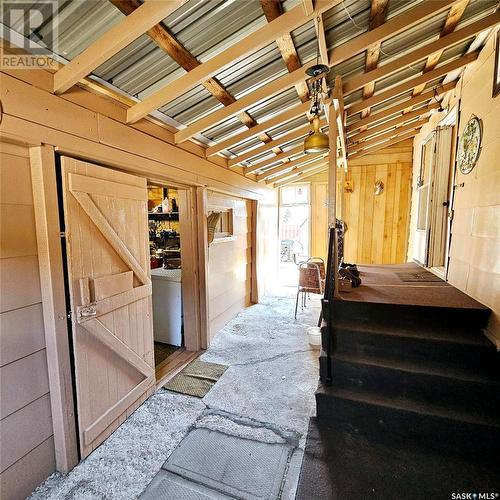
167,305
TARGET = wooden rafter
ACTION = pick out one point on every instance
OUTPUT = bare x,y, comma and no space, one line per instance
424,78
298,170
356,82
265,92
398,108
452,20
163,37
383,145
273,10
378,14
387,135
391,28
395,122
295,134
276,120
301,175
287,166
281,157
235,53
118,37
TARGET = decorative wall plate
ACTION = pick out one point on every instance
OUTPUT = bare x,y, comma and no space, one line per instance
469,146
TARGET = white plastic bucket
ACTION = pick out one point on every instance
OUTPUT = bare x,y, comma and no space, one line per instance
314,334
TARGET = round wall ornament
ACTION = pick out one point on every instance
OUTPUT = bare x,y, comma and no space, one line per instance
469,145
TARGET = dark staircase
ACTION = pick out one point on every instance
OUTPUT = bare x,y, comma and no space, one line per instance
408,405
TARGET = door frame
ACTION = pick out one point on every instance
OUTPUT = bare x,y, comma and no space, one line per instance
55,308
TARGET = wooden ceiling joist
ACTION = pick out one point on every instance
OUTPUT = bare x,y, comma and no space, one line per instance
275,121
301,175
118,37
388,135
281,157
378,14
171,46
287,166
258,39
262,93
395,122
356,82
272,10
454,16
298,170
391,28
426,96
384,145
414,82
295,134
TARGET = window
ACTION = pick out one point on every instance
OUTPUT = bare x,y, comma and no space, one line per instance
295,195
224,226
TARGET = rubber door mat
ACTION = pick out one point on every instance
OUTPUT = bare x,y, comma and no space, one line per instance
242,468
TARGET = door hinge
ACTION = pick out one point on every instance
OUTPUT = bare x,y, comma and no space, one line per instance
451,213
62,234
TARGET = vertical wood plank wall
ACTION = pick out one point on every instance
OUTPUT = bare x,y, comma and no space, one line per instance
26,435
229,264
378,225
474,265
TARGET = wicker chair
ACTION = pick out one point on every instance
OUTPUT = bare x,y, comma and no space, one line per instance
311,280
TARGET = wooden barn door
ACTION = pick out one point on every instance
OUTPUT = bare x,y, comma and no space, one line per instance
110,289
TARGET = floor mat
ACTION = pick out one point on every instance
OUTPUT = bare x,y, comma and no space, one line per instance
417,276
163,351
168,486
197,378
242,468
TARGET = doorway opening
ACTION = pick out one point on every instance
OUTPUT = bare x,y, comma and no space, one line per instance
435,197
294,231
166,275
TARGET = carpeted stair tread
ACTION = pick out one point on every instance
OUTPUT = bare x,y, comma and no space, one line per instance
406,405
341,462
432,333
429,368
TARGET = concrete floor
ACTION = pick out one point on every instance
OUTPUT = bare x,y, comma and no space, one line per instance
267,395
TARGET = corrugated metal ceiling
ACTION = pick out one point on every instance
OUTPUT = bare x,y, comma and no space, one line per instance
207,27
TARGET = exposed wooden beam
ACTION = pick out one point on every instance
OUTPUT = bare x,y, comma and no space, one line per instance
388,135
272,10
298,170
356,82
295,134
118,37
383,145
414,82
237,52
301,175
452,20
308,7
162,36
338,103
279,119
395,122
332,166
287,166
321,36
265,92
391,28
426,96
281,157
378,14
